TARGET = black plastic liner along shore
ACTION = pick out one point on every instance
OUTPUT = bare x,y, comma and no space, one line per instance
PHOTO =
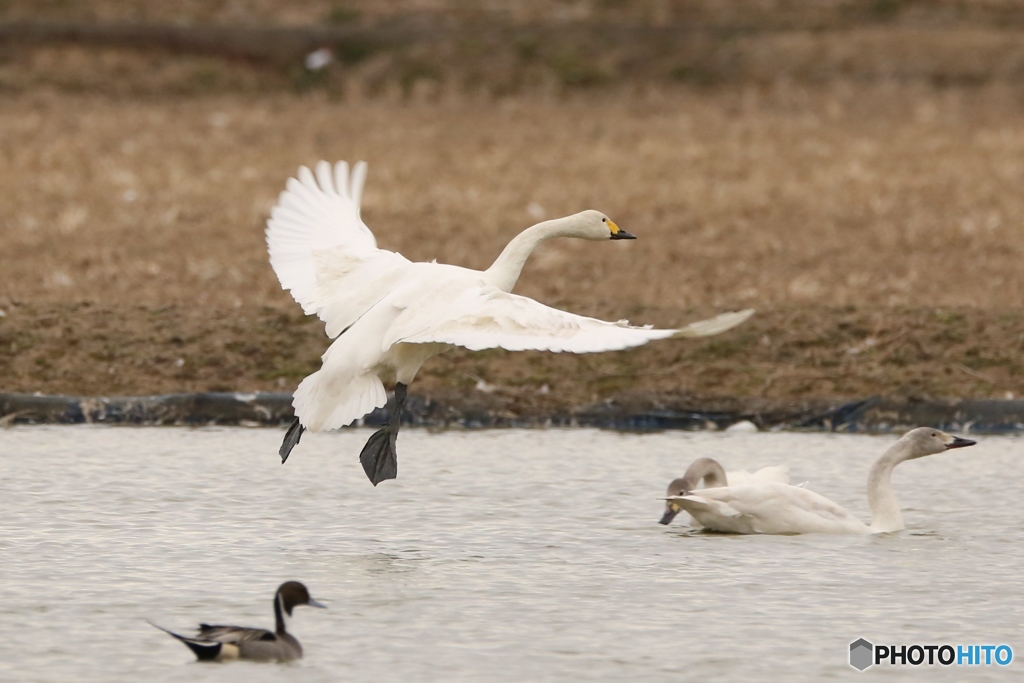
875,415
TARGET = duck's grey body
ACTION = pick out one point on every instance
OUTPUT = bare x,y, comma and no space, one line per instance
220,643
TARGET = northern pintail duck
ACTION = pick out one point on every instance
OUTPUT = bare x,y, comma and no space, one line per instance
239,642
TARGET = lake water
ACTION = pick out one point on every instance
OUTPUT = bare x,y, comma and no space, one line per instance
512,555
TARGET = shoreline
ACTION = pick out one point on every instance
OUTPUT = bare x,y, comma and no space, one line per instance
870,415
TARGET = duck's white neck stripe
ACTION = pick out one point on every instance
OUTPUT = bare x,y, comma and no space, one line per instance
280,614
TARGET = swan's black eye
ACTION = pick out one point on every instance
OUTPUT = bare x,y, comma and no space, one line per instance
604,220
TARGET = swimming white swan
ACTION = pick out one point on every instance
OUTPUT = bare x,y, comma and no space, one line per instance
774,508
707,473
389,314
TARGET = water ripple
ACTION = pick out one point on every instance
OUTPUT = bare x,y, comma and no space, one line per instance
500,556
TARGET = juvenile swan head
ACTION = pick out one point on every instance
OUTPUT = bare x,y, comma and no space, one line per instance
705,470
594,225
926,441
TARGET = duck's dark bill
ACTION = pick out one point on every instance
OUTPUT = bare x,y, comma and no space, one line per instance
316,603
960,443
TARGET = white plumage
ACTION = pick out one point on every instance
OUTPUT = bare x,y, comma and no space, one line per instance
777,473
708,473
768,507
388,314
773,507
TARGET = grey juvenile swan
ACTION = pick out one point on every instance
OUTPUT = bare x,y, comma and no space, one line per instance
707,473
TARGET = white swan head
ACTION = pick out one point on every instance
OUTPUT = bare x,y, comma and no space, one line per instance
592,225
926,441
917,443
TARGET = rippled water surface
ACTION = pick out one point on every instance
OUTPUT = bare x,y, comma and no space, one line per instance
496,556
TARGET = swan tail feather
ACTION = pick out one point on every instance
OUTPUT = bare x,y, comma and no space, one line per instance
325,400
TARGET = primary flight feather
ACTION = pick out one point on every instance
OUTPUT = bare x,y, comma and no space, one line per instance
387,315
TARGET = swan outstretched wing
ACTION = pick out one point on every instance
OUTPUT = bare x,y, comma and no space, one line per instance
315,224
485,317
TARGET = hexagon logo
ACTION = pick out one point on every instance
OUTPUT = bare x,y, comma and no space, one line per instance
862,654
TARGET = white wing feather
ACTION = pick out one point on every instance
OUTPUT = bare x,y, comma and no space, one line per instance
348,285
465,311
712,326
487,317
779,473
317,215
769,507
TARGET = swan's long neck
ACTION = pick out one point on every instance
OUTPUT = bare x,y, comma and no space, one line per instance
885,511
702,469
505,270
705,469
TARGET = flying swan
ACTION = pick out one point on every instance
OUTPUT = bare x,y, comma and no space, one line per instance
387,315
775,508
708,473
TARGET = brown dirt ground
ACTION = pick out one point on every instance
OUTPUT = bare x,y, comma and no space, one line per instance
729,13
875,225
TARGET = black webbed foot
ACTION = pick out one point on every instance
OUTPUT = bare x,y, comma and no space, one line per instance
291,439
379,456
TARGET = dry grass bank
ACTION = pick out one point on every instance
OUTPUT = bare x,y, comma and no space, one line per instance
790,354
850,169
867,196
877,227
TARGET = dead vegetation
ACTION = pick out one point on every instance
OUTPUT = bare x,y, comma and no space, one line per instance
430,50
865,196
872,214
786,354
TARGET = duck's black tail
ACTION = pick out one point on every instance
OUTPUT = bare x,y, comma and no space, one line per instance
203,651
